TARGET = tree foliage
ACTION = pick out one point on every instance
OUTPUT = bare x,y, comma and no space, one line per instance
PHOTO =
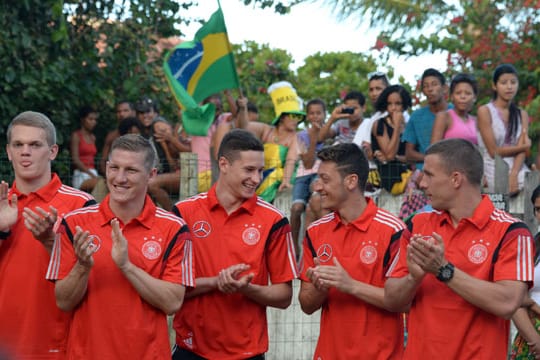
329,76
59,55
258,67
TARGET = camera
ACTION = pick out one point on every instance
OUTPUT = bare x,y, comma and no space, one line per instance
347,110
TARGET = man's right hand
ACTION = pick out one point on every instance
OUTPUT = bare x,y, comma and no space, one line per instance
84,248
229,280
8,208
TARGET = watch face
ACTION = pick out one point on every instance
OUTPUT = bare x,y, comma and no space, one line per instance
446,273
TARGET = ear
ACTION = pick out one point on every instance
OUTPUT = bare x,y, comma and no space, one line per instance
351,182
457,179
222,163
53,152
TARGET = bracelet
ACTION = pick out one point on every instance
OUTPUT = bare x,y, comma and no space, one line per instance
4,234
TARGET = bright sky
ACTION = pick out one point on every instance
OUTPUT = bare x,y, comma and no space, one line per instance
307,29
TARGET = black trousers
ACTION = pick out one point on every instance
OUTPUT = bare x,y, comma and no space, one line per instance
183,354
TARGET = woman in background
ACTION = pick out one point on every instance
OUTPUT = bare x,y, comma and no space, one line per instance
503,130
83,150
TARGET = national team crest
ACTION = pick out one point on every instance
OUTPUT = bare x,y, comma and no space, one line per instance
368,253
151,250
324,252
478,252
251,235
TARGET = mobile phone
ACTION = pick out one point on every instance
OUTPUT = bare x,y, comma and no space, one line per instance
347,110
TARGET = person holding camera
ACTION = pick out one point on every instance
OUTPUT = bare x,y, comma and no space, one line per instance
345,119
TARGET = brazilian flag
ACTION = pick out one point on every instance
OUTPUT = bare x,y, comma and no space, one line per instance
200,68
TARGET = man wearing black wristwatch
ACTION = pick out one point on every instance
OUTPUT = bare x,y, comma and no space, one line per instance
463,269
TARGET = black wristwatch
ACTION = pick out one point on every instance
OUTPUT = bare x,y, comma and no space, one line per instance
446,273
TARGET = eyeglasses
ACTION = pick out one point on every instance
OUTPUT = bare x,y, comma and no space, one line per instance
375,74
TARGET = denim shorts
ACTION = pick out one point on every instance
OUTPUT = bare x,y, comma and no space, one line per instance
301,190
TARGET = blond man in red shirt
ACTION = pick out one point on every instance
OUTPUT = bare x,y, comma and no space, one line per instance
123,265
31,325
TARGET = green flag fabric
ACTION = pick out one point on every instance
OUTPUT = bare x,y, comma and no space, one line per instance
200,68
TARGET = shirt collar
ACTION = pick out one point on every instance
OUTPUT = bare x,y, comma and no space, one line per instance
145,218
45,193
364,220
248,205
480,216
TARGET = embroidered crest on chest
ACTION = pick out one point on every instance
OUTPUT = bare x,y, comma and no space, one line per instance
251,234
151,247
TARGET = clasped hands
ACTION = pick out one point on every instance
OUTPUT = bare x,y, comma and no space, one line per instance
425,254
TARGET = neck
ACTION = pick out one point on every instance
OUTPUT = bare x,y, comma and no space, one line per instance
27,186
127,212
352,208
462,113
226,198
438,106
501,103
464,206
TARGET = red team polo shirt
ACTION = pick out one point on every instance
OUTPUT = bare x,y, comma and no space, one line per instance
351,328
113,321
491,245
231,326
31,325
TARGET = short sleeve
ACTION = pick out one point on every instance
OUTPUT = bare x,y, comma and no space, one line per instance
281,256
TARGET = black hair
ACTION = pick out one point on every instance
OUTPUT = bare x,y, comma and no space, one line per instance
316,102
86,110
435,73
460,155
514,117
464,78
378,76
126,124
125,101
350,159
382,101
251,107
238,140
355,95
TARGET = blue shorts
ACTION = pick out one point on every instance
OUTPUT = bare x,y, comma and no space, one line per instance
302,188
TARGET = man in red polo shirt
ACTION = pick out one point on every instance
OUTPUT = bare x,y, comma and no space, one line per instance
122,265
31,325
462,269
240,242
346,255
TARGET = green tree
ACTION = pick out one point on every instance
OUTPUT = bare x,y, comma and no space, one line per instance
329,76
258,67
59,55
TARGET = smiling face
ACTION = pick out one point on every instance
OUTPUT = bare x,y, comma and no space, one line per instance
30,155
127,177
241,176
330,186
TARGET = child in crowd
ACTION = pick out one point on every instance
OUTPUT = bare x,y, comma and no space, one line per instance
458,122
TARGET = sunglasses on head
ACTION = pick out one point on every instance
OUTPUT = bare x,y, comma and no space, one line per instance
375,74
